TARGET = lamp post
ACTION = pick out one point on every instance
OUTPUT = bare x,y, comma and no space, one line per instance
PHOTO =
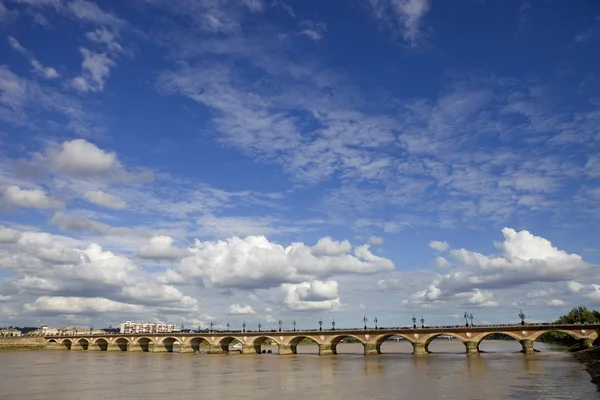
422,322
365,320
522,316
244,326
259,325
471,318
375,320
280,322
466,319
227,325
320,324
414,320
211,326
333,324
294,323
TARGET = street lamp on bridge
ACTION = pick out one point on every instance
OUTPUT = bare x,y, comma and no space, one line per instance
211,326
294,323
333,324
365,320
320,324
259,325
375,320
466,319
244,326
522,316
227,325
422,322
280,322
414,320
471,318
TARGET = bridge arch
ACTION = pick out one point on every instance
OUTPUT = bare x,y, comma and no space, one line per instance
574,335
437,335
337,339
197,342
102,343
67,343
298,339
122,343
512,335
84,344
382,338
170,343
258,342
226,341
144,343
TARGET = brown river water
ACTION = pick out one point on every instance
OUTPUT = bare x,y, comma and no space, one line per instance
447,373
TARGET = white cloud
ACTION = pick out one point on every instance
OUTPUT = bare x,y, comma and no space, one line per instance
328,247
375,240
407,13
442,262
313,295
104,199
9,235
556,303
46,72
237,309
439,246
77,223
35,198
78,305
95,71
161,248
82,159
313,30
523,259
254,262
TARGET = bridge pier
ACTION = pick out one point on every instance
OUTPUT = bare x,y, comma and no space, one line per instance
134,347
186,349
419,349
472,347
55,346
585,343
371,349
159,348
76,347
325,349
250,349
527,346
285,350
93,347
113,347
217,349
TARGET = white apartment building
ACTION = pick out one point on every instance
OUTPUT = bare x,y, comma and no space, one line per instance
145,327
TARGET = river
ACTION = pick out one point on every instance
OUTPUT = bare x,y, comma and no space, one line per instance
499,373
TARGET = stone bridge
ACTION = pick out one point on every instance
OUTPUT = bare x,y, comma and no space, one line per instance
327,340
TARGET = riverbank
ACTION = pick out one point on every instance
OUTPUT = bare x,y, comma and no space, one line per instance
22,343
591,359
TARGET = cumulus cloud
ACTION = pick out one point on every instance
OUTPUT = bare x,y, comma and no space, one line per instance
237,309
255,262
524,258
82,159
35,198
161,248
439,246
313,295
104,199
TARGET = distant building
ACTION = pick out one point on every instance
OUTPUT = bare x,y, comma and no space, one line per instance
10,332
145,327
65,331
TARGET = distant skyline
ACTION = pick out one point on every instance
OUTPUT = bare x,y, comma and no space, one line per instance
197,161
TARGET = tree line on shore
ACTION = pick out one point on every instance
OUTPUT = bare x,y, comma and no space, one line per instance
578,315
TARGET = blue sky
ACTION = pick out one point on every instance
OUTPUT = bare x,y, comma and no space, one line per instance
217,160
